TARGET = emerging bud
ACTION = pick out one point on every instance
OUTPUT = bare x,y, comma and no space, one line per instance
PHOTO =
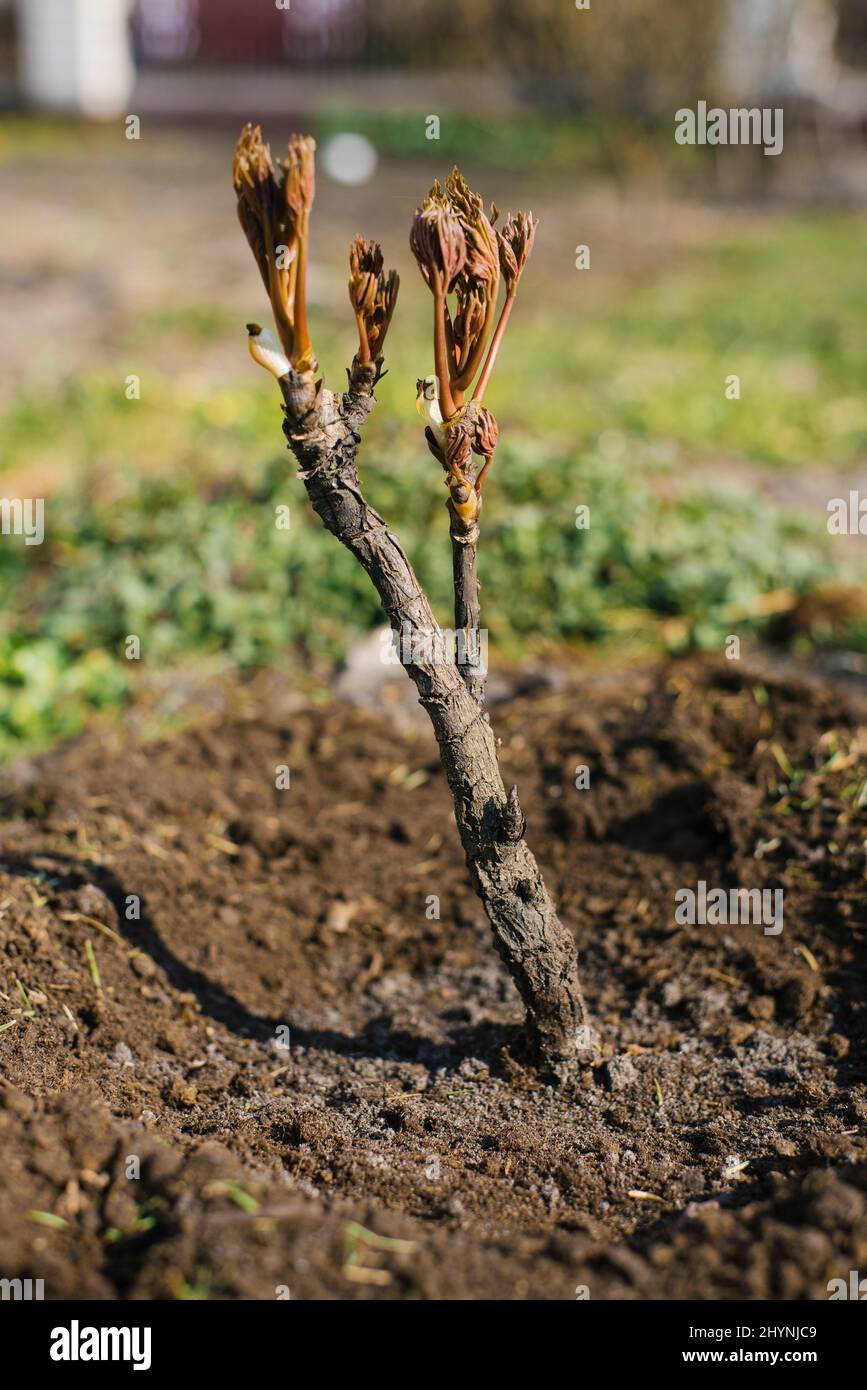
515,243
437,241
365,272
460,252
471,319
373,296
299,175
258,195
273,209
459,450
482,260
486,430
265,351
465,497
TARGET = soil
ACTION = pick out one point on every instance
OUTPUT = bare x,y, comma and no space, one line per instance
285,1063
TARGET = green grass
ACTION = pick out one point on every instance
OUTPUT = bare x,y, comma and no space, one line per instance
525,140
166,527
779,307
194,566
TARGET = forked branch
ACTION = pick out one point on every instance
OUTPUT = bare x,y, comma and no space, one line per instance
323,432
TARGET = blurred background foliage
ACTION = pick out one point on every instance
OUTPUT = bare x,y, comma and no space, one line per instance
629,56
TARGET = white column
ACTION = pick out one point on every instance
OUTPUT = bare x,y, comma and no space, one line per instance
75,55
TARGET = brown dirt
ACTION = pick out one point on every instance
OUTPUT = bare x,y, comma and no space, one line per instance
732,1077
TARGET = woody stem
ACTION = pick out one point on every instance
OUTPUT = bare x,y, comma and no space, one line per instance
468,616
323,431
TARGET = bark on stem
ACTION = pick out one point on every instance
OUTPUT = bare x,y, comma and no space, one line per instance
322,431
468,616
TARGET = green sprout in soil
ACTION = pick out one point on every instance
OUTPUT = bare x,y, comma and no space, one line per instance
92,965
242,1199
48,1218
363,1251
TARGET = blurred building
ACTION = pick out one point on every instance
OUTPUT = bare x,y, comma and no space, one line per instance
641,57
812,50
74,55
221,32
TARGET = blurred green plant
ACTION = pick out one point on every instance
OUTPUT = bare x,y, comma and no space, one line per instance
159,532
197,566
525,140
658,53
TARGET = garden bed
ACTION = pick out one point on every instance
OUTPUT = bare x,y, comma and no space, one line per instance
718,1148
